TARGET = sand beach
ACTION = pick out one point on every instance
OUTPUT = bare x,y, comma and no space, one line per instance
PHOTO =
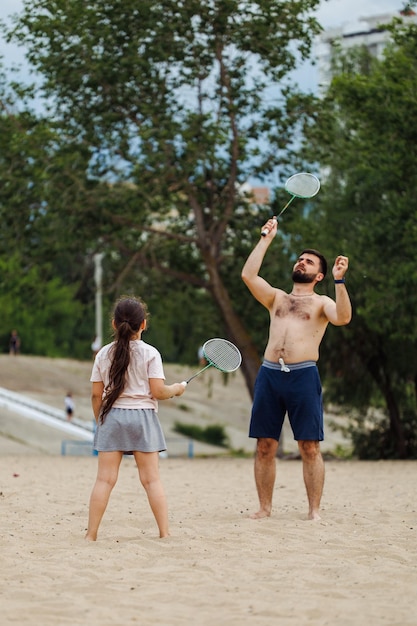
357,566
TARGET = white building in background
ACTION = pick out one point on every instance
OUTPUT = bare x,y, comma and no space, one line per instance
363,32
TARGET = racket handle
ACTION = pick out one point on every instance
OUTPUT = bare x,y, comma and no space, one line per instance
265,231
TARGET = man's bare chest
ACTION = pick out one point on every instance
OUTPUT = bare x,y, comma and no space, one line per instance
296,308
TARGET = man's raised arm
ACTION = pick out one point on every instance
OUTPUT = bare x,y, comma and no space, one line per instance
259,287
340,312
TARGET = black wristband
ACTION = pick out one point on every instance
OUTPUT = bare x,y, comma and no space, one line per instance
338,282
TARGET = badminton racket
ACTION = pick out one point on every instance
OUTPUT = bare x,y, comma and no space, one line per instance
221,354
302,185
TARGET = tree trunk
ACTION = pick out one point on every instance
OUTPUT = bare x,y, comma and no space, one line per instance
380,372
237,333
396,425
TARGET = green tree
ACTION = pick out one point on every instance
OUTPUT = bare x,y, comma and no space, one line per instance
185,101
364,138
38,253
44,312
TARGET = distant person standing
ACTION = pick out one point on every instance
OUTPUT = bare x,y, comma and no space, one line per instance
14,343
69,406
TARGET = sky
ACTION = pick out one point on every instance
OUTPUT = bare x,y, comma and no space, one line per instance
336,13
330,14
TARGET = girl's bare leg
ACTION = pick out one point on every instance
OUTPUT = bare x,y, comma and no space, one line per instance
107,473
148,466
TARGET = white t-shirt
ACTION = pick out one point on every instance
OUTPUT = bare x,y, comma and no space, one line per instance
145,363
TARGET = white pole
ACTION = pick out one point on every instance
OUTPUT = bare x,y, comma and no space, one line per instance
98,275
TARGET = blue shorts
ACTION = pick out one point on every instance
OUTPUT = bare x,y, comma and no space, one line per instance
295,390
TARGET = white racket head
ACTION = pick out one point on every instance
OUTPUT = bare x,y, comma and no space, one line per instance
223,354
303,185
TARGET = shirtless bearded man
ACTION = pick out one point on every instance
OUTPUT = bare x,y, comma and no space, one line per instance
288,380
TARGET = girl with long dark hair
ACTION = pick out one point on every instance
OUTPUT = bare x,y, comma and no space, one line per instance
127,382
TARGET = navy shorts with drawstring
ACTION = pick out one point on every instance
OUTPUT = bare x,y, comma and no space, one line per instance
293,388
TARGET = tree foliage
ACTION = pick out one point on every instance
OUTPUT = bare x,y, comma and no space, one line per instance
364,138
177,105
35,298
156,114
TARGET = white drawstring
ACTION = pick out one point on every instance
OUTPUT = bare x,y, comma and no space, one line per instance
284,368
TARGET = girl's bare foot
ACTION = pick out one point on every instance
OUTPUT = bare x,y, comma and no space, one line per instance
90,537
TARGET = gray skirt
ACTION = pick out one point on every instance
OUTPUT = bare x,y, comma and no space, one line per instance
130,430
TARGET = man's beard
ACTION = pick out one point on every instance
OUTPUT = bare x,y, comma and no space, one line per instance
300,277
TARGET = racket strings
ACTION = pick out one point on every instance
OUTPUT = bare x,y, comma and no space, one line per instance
303,185
222,354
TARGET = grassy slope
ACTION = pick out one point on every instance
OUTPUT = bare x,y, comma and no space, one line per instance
207,400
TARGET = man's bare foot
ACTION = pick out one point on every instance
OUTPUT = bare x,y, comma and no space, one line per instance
314,515
260,514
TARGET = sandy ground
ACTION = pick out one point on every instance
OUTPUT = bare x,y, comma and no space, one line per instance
357,566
